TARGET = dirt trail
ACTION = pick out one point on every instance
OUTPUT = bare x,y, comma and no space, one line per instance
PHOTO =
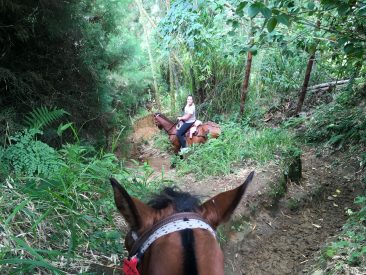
265,239
284,241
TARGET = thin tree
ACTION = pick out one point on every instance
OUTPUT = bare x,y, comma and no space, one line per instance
305,84
171,70
244,88
245,85
309,68
171,84
152,62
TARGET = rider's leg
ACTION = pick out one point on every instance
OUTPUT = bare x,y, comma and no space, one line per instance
180,133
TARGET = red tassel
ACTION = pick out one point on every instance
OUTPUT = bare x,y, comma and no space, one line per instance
130,266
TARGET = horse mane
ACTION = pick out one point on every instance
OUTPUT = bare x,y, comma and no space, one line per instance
164,117
181,201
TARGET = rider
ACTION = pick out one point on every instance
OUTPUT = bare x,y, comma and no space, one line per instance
188,119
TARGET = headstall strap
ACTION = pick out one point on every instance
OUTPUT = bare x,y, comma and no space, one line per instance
173,223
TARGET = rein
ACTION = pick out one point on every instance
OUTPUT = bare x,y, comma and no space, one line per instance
171,128
173,223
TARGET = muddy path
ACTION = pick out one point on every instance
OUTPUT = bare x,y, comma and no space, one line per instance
264,237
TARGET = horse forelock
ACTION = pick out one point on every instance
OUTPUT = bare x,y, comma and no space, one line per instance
185,251
181,201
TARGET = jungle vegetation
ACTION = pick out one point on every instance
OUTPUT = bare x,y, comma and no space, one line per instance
74,75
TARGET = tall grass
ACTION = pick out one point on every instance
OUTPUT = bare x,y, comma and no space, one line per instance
236,143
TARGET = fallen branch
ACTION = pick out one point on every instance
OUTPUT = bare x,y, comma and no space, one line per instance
328,84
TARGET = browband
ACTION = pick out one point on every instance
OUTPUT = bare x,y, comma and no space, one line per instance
173,223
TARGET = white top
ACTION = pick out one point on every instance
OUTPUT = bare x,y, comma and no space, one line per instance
190,110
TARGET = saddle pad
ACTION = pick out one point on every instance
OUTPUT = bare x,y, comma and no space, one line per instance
194,127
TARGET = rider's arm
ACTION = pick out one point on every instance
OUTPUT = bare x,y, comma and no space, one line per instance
185,117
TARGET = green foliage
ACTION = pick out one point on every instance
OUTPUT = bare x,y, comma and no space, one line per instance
42,116
218,156
52,222
81,56
161,142
349,249
339,122
31,157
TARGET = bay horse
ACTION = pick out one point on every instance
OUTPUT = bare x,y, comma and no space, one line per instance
201,136
174,233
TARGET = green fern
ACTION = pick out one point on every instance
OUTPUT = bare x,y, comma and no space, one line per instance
30,157
41,117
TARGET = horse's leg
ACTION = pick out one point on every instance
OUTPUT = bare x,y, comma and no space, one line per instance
175,142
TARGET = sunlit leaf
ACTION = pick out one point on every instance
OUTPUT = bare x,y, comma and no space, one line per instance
266,12
240,8
283,19
271,24
254,9
253,50
311,5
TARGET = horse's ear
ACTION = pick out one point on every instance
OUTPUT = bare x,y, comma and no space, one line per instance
218,209
133,210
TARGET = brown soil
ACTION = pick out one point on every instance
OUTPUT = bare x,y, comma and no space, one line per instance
283,241
269,237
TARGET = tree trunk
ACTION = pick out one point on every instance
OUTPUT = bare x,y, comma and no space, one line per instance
193,81
244,89
305,84
152,62
171,85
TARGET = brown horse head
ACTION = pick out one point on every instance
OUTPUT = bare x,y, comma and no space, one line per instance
157,121
162,122
174,233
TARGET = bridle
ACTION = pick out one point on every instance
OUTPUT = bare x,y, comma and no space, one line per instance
173,223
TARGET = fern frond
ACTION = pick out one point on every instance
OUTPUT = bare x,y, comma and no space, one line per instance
42,117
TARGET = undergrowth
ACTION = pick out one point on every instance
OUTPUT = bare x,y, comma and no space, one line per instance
347,254
341,122
218,156
57,211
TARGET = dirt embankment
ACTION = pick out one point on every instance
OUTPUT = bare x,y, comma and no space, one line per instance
264,238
